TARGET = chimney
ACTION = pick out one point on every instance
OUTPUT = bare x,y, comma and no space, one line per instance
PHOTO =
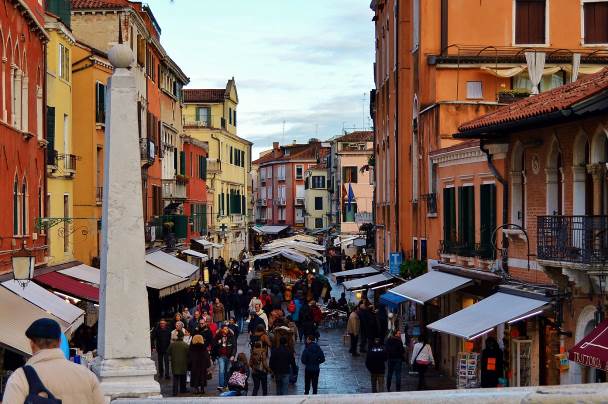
275,145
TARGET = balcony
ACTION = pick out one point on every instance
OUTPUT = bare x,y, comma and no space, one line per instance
214,166
147,150
174,189
456,247
281,201
579,240
69,163
201,123
431,203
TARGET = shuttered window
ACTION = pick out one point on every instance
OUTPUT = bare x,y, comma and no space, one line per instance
100,103
596,22
182,163
449,215
530,21
50,128
487,219
466,219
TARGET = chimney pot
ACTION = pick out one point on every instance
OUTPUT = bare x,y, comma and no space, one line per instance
275,145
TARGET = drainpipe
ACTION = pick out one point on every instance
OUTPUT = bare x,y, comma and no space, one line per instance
219,160
444,26
505,196
45,200
397,128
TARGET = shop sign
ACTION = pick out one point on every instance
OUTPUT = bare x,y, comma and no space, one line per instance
395,263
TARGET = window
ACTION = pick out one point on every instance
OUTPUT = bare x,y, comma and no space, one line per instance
16,207
202,167
64,62
24,208
318,203
466,218
300,191
100,103
318,223
281,212
230,116
349,212
349,175
141,51
474,90
596,22
449,215
281,172
299,172
530,21
234,117
318,182
203,115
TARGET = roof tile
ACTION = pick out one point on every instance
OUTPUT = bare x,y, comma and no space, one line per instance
357,136
99,4
204,95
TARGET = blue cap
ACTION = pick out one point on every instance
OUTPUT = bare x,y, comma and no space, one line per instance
44,328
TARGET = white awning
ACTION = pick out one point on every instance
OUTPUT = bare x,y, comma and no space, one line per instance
430,285
166,283
208,244
271,229
483,316
346,241
356,272
16,315
196,254
84,273
288,253
171,264
368,282
48,301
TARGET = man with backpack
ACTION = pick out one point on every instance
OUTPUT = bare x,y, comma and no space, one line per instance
312,358
47,371
260,369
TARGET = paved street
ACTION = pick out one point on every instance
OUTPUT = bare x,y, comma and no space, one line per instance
340,374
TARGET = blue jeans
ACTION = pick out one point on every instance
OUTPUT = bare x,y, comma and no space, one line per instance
282,382
223,365
394,368
240,320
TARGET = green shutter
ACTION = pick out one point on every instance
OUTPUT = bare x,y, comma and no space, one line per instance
204,168
243,207
461,227
182,163
50,127
198,115
204,219
470,206
487,214
175,160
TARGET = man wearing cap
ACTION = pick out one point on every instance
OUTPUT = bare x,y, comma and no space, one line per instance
66,381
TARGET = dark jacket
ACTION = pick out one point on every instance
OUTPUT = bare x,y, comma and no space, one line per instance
161,338
375,359
312,357
394,348
365,320
198,358
218,345
253,324
178,351
382,321
282,361
492,366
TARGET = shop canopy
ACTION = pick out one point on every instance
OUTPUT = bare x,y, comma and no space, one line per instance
84,273
70,286
272,230
165,282
356,272
16,315
49,302
392,300
208,244
481,318
378,280
288,253
171,264
592,350
430,285
196,254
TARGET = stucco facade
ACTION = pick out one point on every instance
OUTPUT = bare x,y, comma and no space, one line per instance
317,201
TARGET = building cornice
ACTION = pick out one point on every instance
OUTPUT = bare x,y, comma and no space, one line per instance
466,155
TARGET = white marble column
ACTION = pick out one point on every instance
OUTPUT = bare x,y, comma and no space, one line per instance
124,365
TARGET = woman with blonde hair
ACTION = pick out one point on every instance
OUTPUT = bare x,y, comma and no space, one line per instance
199,362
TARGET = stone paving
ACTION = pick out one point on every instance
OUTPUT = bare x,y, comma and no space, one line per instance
340,374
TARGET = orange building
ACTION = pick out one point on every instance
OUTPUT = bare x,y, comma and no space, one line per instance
450,70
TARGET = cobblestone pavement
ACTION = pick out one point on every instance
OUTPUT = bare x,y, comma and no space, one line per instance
340,374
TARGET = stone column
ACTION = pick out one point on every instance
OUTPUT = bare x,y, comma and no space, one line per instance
124,366
597,173
4,109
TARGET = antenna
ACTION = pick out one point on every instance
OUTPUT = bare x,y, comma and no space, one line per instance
283,139
363,111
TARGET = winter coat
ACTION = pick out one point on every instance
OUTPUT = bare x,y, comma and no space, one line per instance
283,331
178,351
382,321
253,324
394,348
228,345
198,357
364,321
296,314
492,366
312,357
353,325
282,361
161,338
218,312
376,357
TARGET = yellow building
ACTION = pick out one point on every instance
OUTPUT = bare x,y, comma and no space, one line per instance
316,198
90,74
61,156
210,116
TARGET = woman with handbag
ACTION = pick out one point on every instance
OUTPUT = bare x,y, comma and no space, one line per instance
422,358
239,375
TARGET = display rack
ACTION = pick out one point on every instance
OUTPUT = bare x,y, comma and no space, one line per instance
468,370
521,362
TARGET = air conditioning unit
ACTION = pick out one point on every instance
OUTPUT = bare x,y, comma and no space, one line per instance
299,201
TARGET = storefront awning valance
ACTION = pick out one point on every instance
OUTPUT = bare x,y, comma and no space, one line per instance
269,229
84,273
369,282
208,244
483,316
430,285
196,254
356,272
70,286
165,282
171,264
592,350
391,300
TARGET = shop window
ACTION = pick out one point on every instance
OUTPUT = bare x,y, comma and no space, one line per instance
319,223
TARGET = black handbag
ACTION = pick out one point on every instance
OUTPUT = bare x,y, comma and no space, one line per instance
415,365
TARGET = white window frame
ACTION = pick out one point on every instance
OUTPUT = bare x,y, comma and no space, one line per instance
582,16
547,27
296,171
470,96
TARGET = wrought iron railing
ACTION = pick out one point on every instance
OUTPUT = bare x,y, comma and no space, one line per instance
69,161
576,239
147,150
456,247
431,202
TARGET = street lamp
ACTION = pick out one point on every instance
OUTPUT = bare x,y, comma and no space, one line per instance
23,266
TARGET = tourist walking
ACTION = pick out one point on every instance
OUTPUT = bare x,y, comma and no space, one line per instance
375,363
224,351
492,364
312,358
198,358
352,329
218,313
161,338
178,351
395,355
259,368
364,326
47,371
238,375
282,362
422,358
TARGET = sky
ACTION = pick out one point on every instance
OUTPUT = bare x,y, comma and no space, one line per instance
302,65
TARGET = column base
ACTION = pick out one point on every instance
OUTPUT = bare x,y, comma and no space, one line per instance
127,378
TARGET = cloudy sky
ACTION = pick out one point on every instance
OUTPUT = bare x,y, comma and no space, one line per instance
307,63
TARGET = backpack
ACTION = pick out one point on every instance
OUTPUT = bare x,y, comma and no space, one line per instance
36,387
291,307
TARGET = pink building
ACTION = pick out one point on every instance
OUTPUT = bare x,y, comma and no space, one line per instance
281,181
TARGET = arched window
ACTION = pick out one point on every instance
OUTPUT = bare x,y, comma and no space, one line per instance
554,180
25,92
24,207
518,186
16,207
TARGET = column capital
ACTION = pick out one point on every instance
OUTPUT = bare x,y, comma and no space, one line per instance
597,171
